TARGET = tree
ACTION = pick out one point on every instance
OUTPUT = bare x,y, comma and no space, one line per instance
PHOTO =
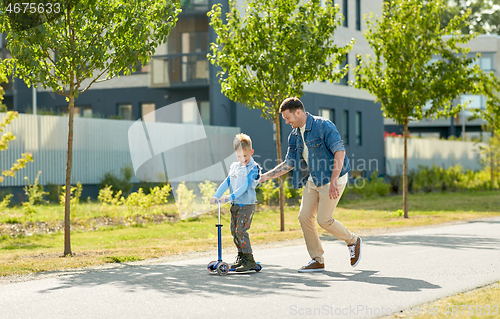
484,16
402,76
87,42
4,140
268,54
491,114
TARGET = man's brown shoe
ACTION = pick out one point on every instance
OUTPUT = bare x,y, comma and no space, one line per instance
313,265
355,252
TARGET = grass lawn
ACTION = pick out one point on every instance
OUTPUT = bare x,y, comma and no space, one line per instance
29,254
479,303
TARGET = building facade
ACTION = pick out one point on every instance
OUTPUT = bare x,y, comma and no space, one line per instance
180,70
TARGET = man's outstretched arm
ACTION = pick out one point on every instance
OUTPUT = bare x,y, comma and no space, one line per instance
279,170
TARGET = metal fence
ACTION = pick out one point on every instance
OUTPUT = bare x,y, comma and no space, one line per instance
99,146
429,152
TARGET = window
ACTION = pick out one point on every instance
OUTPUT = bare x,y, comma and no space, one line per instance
125,111
358,128
205,112
190,113
87,111
148,112
327,114
345,127
344,80
474,101
345,12
358,15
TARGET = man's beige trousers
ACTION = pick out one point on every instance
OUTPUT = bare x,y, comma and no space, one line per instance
316,202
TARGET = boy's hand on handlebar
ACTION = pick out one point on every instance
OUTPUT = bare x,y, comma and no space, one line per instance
214,200
224,199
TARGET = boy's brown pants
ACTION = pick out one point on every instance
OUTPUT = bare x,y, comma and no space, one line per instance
316,202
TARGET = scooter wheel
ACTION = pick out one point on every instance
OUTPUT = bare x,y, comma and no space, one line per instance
259,268
212,267
222,269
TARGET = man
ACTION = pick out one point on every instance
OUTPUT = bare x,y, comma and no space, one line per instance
320,165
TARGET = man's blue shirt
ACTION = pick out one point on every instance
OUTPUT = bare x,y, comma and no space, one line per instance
323,141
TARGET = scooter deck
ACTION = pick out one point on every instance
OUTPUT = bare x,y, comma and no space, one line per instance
256,268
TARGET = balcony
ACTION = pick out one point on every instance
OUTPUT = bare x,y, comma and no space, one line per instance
179,70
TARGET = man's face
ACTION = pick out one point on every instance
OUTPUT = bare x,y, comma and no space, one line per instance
244,155
292,118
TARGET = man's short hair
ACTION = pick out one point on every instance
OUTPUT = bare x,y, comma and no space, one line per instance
292,104
242,141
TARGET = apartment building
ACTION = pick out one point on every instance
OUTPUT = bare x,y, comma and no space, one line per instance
180,70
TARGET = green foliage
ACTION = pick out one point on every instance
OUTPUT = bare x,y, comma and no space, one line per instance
122,183
288,190
184,200
5,202
402,76
74,195
6,138
53,192
123,259
155,197
106,197
207,190
269,191
368,187
35,195
483,18
118,34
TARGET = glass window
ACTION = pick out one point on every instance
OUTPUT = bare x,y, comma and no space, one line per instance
344,80
474,101
125,111
205,112
87,111
327,114
148,112
345,12
358,128
345,127
486,64
189,112
358,14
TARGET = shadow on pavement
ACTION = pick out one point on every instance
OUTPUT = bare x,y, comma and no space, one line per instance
194,279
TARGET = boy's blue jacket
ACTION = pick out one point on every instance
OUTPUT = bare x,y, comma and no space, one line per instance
241,182
323,140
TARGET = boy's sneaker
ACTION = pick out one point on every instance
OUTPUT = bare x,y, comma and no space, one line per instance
248,263
238,262
313,265
355,252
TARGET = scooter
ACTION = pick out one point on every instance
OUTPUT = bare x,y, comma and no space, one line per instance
219,267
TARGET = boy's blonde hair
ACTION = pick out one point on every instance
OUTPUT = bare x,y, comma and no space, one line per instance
243,141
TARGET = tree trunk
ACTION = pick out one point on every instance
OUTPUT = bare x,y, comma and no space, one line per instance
405,171
280,179
67,197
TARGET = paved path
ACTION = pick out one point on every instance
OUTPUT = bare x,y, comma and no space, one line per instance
397,271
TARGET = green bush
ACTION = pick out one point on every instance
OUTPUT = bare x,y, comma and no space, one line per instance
35,195
119,184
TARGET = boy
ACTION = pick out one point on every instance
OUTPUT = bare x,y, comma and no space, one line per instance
243,176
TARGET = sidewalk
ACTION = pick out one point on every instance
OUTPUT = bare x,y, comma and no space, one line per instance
397,271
